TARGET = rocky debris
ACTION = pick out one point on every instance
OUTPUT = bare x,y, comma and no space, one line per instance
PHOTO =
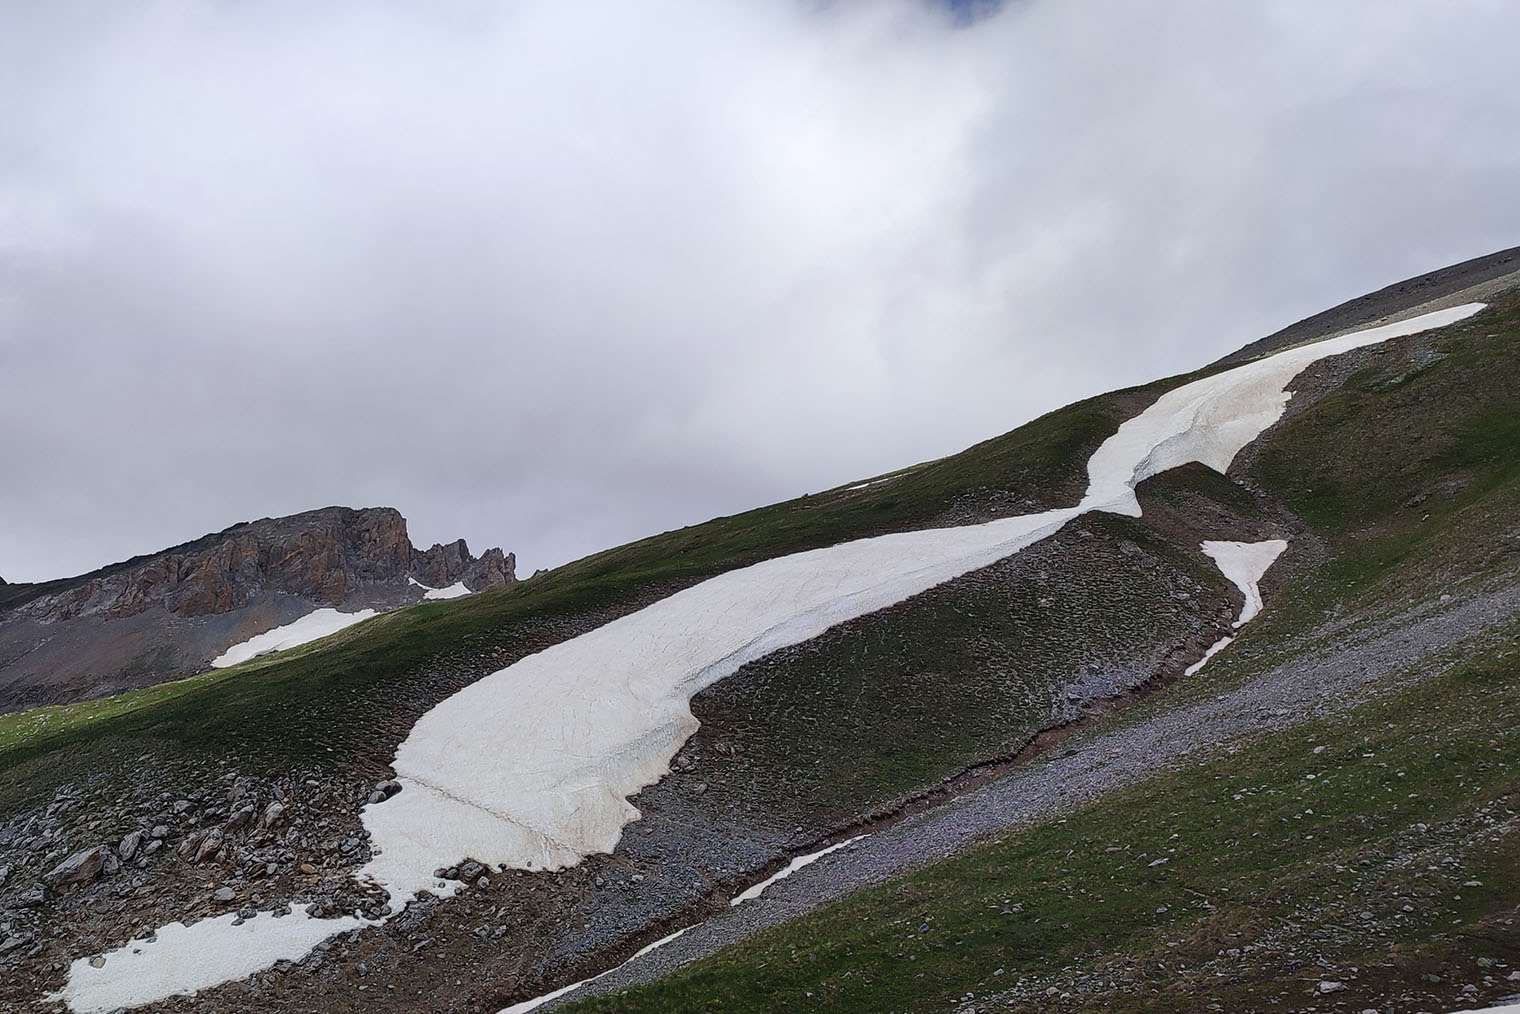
5,874
239,820
210,843
80,868
272,816
384,790
129,846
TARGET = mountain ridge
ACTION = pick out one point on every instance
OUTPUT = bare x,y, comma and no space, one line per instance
162,615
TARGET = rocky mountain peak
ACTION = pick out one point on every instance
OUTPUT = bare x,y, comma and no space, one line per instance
163,615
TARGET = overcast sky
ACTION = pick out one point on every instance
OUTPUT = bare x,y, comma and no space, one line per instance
555,275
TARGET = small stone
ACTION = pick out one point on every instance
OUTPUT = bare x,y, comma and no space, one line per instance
224,894
1326,986
159,831
129,845
97,962
307,869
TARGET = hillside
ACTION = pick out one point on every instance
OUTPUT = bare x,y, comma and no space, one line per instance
1117,874
168,615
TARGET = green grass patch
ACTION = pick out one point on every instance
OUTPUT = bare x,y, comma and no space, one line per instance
1261,848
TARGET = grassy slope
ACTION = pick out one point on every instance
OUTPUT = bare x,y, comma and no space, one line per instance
349,699
1244,858
1411,476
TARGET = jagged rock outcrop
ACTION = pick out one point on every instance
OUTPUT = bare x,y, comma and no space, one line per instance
444,565
165,615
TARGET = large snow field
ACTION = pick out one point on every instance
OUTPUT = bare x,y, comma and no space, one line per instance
532,767
311,627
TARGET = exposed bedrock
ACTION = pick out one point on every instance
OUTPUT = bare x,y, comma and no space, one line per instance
165,615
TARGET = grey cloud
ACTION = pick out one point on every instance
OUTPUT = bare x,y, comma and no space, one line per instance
555,276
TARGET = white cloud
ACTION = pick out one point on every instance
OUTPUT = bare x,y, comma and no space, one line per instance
557,275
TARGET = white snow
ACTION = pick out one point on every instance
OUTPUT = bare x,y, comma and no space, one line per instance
308,628
1244,563
1210,420
750,894
538,1001
532,767
1214,649
1512,1008
185,959
453,591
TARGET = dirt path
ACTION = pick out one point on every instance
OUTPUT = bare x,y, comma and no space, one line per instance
1354,667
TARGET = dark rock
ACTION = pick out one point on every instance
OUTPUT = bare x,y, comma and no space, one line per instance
129,846
210,843
273,813
80,868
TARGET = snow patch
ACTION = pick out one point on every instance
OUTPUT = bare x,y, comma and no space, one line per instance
453,591
539,1001
532,767
311,627
185,959
754,892
1214,649
1244,563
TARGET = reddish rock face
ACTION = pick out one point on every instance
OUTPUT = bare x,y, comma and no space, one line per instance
164,616
322,556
